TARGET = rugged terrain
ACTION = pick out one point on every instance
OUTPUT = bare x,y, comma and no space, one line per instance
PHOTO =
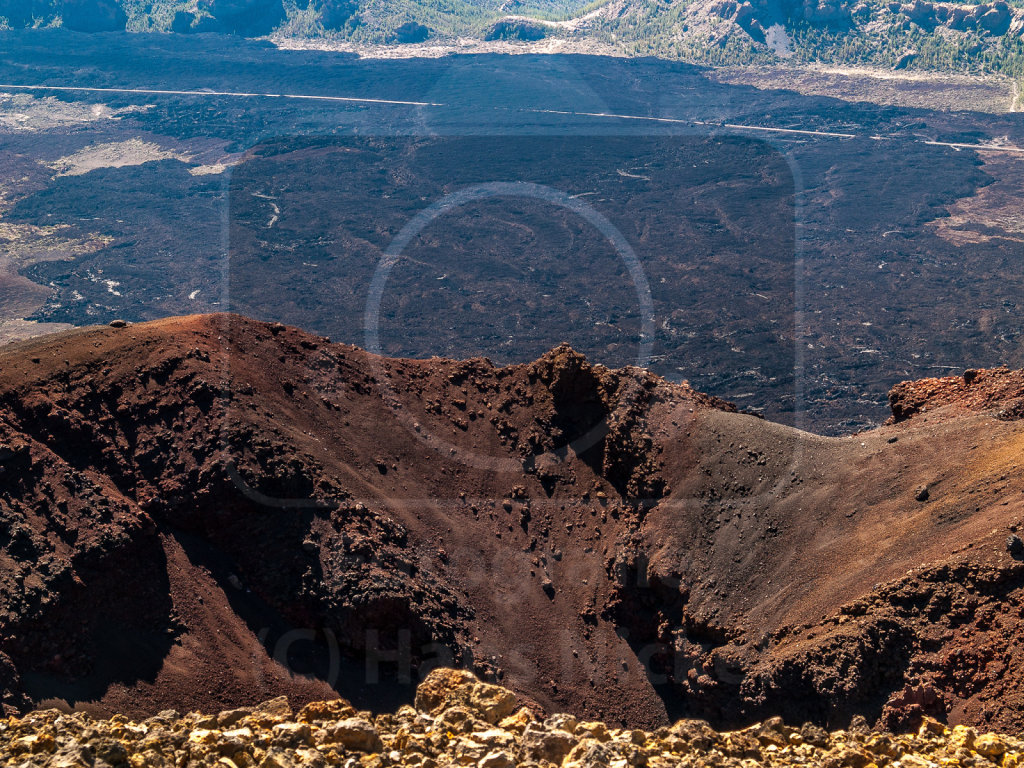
459,721
951,37
208,511
762,165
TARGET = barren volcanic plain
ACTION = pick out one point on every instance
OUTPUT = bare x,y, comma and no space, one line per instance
302,518
795,245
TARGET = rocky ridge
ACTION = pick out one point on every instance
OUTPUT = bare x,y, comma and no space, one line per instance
755,16
286,511
459,721
999,390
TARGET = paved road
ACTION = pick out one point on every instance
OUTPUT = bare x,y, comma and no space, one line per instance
605,115
238,94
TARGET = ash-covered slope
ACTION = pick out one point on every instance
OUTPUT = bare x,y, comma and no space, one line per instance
193,509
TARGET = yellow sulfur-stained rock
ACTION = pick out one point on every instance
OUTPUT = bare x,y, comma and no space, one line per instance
356,734
517,723
318,711
291,734
916,761
989,745
880,744
497,759
963,736
203,736
439,684
930,725
277,759
541,744
277,707
456,733
472,748
492,702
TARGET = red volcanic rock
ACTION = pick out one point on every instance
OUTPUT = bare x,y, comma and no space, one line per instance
210,512
999,390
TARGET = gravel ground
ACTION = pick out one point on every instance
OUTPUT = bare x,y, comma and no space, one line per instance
459,721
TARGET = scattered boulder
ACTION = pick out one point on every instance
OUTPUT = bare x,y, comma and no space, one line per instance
990,745
230,717
446,688
550,745
589,753
1015,545
561,722
277,707
989,18
697,733
356,734
814,735
549,588
497,759
493,702
438,686
517,723
318,711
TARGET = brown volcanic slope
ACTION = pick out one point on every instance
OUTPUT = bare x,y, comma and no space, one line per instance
183,502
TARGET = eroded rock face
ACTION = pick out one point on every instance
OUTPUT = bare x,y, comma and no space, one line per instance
998,390
754,16
752,569
326,734
996,18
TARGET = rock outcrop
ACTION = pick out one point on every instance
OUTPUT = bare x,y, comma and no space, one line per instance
999,391
996,18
